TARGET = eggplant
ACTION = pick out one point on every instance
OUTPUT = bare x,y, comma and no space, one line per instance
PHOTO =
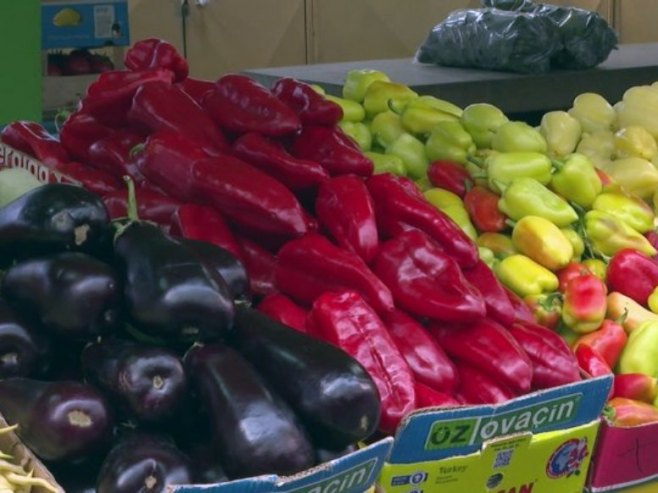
254,430
168,292
146,382
328,389
143,463
223,263
57,420
51,218
24,350
71,293
206,467
325,455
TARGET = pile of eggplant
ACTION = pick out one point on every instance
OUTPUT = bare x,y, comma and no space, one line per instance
131,360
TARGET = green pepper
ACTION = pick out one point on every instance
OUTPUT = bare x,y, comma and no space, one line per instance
385,128
420,115
450,142
599,147
518,137
357,82
524,276
500,244
635,174
352,111
412,152
639,353
607,234
382,96
387,163
576,180
561,131
487,256
504,167
359,132
452,206
576,241
460,216
481,120
527,197
629,208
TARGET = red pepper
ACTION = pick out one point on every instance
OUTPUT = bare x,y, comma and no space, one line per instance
330,147
112,154
152,53
425,281
626,413
311,265
585,303
636,386
478,387
553,362
203,223
243,194
450,176
79,131
495,297
271,157
151,205
591,362
240,104
608,340
521,310
344,208
400,206
284,310
633,274
428,362
569,272
345,320
92,179
428,397
162,106
604,178
110,96
489,347
197,89
34,140
260,265
546,308
312,107
482,206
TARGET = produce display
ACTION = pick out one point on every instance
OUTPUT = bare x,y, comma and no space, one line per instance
242,280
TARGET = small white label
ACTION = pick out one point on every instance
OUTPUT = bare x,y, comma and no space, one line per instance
104,19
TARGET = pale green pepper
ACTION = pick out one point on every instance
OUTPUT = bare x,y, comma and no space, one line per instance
635,175
382,96
503,167
420,115
386,128
640,350
452,206
518,137
593,112
576,180
359,132
352,111
628,208
449,141
357,82
387,163
561,131
576,241
500,244
482,120
527,197
608,234
412,152
524,276
635,141
599,147
487,256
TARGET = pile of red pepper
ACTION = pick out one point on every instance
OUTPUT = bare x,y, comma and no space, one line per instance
360,260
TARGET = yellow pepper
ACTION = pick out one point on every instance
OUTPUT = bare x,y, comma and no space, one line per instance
635,175
593,112
652,301
640,107
501,245
599,147
561,131
635,141
542,241
524,276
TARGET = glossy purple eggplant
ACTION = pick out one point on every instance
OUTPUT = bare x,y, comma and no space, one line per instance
24,350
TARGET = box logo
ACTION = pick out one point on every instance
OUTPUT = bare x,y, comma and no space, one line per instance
567,458
524,488
357,478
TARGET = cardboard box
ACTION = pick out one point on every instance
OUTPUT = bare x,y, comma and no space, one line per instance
460,449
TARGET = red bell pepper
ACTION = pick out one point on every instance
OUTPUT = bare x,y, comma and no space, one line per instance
428,397
591,362
626,413
553,362
334,150
479,387
425,281
197,89
521,310
450,176
243,194
545,308
400,206
495,297
569,272
633,274
260,265
151,205
34,140
112,154
636,386
311,265
271,157
162,106
429,363
608,341
282,309
344,208
152,53
110,96
203,223
585,303
240,104
79,131
482,206
92,179
489,347
344,319
311,107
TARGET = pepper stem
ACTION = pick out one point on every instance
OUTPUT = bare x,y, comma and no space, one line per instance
132,211
60,118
